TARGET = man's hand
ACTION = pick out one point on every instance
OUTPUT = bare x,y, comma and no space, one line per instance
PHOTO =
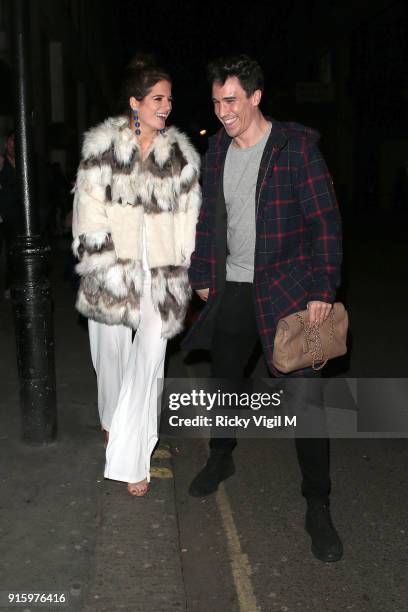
203,294
318,311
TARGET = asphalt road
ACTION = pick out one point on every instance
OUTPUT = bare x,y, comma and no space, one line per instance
243,549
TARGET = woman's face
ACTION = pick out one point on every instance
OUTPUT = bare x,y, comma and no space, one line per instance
154,108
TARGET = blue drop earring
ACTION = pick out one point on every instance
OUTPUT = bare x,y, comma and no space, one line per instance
137,123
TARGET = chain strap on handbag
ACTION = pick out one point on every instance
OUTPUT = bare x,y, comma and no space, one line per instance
299,344
313,341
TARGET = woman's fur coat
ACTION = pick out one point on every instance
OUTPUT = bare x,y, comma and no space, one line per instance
116,194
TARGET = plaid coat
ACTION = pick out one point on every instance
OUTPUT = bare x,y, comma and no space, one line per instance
298,232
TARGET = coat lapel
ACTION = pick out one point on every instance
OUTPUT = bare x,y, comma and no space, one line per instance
125,146
276,141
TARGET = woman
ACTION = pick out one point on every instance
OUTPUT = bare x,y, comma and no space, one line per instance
136,204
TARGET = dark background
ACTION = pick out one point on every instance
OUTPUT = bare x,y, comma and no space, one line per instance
339,67
354,54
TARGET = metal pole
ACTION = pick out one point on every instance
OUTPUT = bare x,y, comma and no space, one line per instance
30,289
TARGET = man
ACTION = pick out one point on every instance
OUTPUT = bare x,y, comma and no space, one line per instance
268,244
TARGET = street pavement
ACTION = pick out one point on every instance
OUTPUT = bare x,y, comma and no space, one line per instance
66,529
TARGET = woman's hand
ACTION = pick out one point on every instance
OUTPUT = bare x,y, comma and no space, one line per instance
203,294
318,311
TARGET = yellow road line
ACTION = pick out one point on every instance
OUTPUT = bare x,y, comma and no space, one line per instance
161,472
241,568
161,453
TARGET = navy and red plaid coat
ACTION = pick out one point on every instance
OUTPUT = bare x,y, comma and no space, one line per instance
298,231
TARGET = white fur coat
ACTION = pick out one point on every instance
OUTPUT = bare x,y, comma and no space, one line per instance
116,195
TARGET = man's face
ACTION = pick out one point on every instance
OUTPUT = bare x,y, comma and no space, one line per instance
233,108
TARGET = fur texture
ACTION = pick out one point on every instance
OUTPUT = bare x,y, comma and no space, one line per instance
116,195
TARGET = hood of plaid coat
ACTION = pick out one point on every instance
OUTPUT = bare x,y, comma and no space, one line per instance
118,199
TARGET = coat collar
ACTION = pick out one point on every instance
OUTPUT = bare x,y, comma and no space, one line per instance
125,144
276,141
277,138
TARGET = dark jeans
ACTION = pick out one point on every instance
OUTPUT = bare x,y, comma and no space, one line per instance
235,337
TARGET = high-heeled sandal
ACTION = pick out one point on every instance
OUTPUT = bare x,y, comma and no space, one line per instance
138,489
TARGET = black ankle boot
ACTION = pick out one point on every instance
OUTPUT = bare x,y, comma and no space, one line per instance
326,544
219,466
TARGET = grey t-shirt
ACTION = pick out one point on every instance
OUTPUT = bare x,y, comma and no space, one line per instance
240,177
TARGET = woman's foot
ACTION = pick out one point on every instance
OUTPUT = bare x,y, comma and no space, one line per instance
138,489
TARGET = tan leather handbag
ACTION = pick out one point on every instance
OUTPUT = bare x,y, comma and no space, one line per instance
300,345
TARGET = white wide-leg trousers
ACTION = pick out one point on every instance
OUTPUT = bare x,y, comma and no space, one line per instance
127,375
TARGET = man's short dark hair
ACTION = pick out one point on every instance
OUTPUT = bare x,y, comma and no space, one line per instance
247,70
